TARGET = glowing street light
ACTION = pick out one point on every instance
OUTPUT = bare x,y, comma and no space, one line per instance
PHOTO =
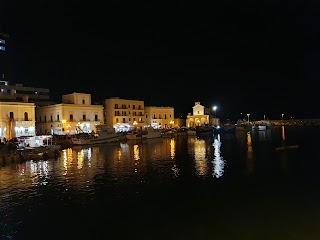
215,111
248,114
135,123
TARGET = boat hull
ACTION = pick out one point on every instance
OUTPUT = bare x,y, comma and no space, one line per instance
95,140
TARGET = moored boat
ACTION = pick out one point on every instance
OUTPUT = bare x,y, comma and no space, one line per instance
204,131
104,134
133,135
150,132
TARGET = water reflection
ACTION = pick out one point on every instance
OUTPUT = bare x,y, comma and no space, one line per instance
218,162
250,156
283,136
200,157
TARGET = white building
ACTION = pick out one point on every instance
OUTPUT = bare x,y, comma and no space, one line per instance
75,114
17,119
200,116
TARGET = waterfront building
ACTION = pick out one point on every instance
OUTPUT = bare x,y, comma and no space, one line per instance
200,116
124,114
4,57
20,93
75,114
159,117
17,119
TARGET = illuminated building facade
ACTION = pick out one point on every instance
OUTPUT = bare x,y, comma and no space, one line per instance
4,57
159,117
17,119
74,115
124,114
200,116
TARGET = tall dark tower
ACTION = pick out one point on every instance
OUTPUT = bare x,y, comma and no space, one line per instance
4,57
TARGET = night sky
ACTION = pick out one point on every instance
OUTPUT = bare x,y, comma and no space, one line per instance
257,57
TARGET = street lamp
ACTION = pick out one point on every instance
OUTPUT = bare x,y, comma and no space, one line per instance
215,111
248,114
282,117
135,124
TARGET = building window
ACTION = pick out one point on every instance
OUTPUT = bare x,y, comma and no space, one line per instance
146,115
71,117
83,101
11,116
117,120
154,116
2,41
51,118
133,106
45,118
96,117
25,116
2,48
116,106
58,117
123,120
84,117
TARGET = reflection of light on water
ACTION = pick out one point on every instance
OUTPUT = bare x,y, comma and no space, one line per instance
283,133
80,159
249,153
136,154
124,151
172,148
175,170
39,172
218,163
67,158
136,157
200,156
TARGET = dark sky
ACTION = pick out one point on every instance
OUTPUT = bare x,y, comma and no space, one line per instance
257,57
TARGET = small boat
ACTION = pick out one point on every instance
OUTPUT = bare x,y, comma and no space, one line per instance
191,132
169,133
104,134
150,132
133,135
225,128
183,131
204,131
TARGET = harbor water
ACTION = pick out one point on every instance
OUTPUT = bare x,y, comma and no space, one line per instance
247,185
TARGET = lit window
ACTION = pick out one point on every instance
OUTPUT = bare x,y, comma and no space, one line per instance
2,41
2,48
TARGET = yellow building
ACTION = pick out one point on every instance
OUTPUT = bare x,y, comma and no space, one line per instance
17,119
75,114
200,116
159,117
124,114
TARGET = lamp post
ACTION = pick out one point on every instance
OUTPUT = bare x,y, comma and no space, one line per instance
215,111
135,124
171,123
282,117
248,114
